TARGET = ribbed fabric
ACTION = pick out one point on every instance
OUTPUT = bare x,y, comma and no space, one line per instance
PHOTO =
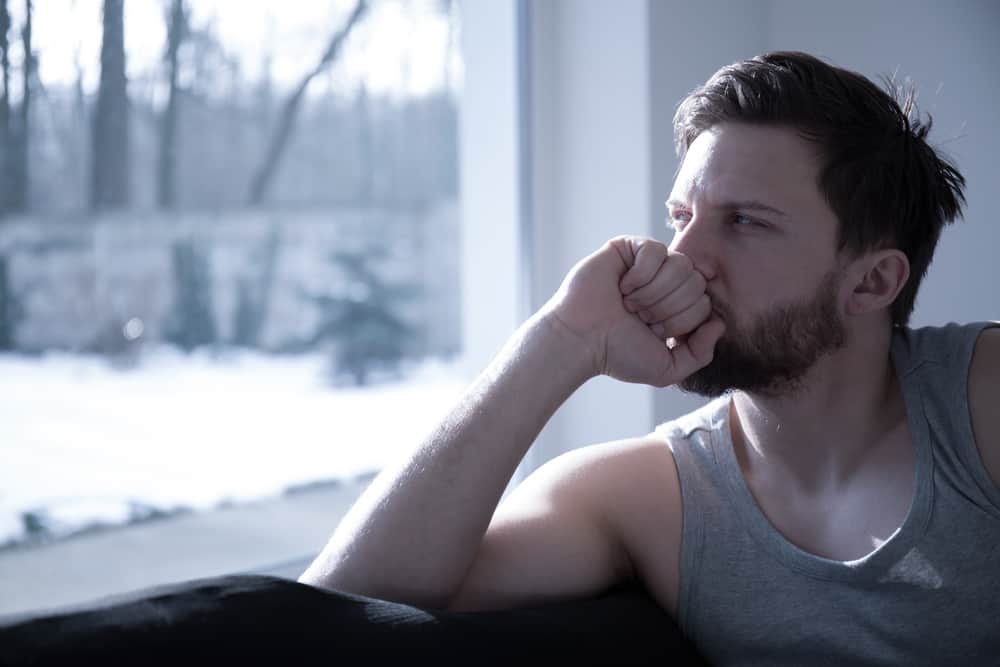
930,595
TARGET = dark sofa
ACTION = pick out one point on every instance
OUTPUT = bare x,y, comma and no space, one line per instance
252,619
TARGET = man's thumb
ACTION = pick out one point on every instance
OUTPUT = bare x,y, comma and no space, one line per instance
702,341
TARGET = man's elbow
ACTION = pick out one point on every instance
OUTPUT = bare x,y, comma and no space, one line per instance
336,582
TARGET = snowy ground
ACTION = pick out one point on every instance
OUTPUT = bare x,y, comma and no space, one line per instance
82,442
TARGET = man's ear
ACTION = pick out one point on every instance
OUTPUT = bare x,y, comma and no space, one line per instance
876,279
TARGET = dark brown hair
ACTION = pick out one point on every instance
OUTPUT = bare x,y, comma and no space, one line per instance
887,186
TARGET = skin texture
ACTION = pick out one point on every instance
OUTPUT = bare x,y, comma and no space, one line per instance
828,457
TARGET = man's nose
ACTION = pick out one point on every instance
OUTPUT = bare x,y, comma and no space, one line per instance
696,243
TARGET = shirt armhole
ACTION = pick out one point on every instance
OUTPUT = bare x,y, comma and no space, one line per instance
988,480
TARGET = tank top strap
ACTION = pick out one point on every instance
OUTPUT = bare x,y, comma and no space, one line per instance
933,367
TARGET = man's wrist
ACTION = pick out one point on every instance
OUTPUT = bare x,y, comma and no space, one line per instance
566,348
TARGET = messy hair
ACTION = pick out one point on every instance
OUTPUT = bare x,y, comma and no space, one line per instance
887,186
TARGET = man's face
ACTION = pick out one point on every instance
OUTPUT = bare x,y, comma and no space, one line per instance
746,209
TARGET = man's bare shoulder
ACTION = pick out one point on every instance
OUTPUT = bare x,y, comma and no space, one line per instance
635,486
584,521
984,397
651,519
616,463
623,476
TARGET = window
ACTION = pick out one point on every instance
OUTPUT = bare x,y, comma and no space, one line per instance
229,267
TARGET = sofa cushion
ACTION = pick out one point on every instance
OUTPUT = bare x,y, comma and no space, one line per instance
252,619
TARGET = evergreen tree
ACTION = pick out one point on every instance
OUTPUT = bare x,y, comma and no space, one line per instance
253,295
9,309
192,320
363,320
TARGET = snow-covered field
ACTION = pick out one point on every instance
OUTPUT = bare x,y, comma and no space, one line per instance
82,442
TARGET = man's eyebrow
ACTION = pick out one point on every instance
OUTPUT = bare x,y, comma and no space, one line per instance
745,205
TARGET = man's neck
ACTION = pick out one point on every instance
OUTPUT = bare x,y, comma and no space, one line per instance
821,435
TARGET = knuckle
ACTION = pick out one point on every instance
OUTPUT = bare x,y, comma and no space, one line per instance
700,284
675,326
681,262
620,245
657,247
688,320
636,299
642,245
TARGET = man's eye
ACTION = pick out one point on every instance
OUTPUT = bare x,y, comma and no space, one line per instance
745,221
678,219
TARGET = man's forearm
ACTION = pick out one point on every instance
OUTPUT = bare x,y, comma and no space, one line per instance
413,534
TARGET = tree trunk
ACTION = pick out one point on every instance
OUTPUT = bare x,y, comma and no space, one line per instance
18,165
366,151
5,146
279,140
166,169
80,146
110,182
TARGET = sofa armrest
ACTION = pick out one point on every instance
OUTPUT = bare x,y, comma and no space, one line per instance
252,619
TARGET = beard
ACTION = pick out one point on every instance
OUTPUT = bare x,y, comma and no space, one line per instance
772,356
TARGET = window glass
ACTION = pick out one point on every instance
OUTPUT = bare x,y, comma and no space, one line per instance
229,241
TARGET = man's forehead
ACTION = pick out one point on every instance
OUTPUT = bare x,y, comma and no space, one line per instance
738,162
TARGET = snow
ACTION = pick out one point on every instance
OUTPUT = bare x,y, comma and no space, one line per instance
82,441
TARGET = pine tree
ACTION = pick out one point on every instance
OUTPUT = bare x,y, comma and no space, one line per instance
192,320
9,309
363,319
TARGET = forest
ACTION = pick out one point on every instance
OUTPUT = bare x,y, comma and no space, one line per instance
203,200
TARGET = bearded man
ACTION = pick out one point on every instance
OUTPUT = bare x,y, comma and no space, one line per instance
838,498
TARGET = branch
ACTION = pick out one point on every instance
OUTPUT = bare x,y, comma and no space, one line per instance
265,174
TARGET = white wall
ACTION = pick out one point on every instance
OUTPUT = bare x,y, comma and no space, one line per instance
589,89
951,51
604,80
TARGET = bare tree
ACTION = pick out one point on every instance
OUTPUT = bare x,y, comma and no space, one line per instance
166,169
366,166
4,108
110,182
17,167
279,140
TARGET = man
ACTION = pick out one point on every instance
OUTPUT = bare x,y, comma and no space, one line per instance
837,501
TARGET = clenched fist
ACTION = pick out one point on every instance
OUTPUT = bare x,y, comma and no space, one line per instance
625,301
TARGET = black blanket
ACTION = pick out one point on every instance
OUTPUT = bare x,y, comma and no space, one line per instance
251,619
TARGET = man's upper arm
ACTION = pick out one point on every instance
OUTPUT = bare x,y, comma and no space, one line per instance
984,400
572,529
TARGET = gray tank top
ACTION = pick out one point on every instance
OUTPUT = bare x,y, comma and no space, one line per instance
930,595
